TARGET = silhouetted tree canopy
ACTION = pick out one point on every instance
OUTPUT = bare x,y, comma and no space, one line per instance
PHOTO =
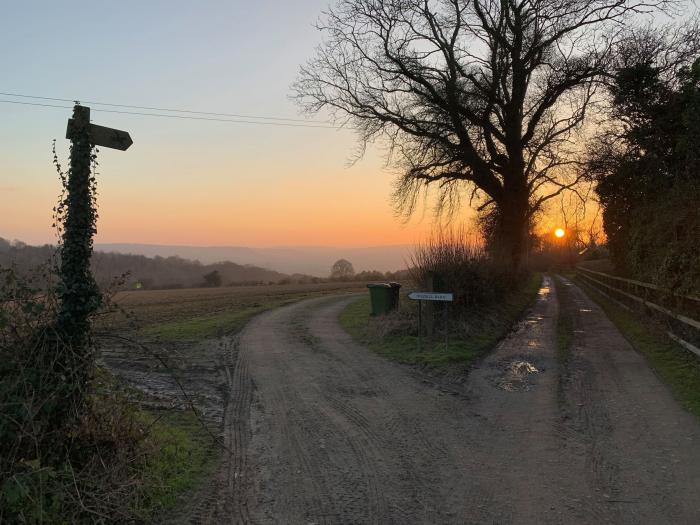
342,270
212,279
477,98
647,161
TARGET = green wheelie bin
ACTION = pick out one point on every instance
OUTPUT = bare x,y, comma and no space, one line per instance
384,297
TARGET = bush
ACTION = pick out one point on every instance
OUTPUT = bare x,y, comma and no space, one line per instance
212,279
460,265
663,245
69,454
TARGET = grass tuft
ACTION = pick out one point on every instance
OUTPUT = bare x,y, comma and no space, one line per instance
565,323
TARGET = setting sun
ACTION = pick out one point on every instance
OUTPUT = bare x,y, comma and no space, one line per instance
559,232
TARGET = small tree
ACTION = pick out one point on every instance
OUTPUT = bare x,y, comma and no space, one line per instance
342,270
212,279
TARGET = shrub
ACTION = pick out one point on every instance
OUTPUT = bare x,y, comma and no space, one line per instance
65,456
459,264
212,279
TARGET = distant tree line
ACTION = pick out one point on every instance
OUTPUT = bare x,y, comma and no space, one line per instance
343,270
150,273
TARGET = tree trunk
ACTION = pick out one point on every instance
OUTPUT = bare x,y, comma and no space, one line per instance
511,231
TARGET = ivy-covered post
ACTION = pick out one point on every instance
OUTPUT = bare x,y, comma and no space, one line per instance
80,295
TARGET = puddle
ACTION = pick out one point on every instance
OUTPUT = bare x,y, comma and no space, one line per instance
585,310
515,376
534,319
545,290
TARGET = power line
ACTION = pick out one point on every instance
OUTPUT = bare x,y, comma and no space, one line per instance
171,110
35,104
183,117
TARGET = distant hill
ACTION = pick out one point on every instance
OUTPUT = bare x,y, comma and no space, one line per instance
149,272
312,260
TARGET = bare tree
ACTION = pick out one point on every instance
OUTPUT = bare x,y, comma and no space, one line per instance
477,97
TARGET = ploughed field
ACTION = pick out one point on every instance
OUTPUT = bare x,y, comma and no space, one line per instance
200,313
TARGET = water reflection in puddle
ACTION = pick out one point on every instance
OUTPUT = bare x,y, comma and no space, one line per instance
545,290
515,376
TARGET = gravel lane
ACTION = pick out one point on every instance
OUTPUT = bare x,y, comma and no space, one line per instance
324,431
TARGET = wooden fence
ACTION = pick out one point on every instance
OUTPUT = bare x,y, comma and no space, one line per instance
679,313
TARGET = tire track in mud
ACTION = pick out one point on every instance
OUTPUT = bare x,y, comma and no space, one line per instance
642,454
369,471
327,497
352,422
224,500
585,419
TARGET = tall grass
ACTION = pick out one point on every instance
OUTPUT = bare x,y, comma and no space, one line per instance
458,263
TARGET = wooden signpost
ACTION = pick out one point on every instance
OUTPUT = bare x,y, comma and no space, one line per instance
429,296
79,294
99,135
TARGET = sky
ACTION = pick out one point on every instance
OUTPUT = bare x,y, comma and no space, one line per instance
185,181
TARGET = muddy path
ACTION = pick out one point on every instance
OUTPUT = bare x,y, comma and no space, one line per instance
323,431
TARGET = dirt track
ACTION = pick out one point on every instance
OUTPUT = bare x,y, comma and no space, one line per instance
323,431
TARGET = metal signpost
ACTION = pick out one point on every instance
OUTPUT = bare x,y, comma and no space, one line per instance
429,296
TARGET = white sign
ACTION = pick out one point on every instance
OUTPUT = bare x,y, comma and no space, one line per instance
430,296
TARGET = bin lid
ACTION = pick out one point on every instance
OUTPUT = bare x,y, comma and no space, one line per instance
395,285
378,285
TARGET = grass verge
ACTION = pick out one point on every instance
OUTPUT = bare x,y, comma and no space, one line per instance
212,325
124,465
565,323
677,367
182,454
468,340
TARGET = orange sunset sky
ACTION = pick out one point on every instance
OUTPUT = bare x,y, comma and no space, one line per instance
186,181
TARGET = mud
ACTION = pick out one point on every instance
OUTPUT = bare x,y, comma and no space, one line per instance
175,376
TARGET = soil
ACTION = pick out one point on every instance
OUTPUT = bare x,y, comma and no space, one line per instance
322,431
